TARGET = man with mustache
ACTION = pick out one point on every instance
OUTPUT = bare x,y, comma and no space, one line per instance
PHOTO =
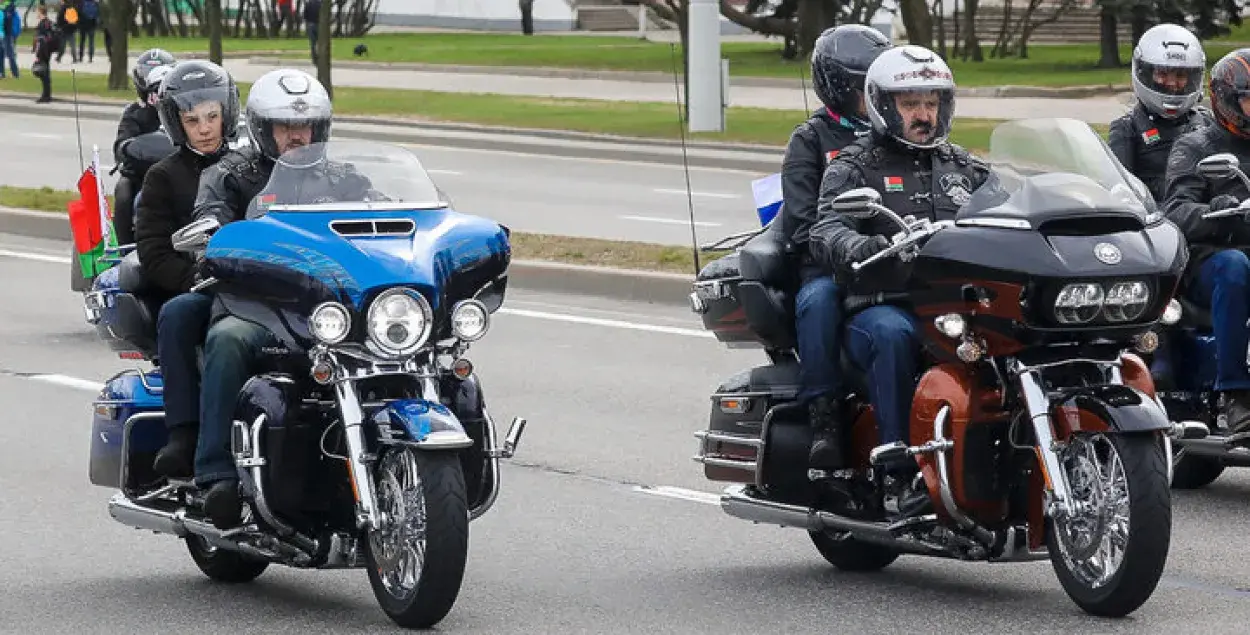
910,95
286,109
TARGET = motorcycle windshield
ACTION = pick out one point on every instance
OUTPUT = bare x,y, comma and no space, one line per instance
1043,169
347,175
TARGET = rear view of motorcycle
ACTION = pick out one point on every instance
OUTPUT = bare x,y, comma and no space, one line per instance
364,441
1035,423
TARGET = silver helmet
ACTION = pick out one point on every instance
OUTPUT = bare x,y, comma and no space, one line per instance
287,96
1170,53
909,69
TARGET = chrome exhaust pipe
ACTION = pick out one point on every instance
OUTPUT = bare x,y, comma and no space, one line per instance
177,523
736,502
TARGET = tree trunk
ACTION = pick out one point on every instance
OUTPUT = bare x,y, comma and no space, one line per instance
119,14
972,46
1108,39
814,16
918,22
323,48
1141,21
212,9
527,17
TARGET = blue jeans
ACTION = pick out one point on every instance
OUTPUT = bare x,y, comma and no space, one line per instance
9,51
818,320
231,351
1223,286
884,342
180,328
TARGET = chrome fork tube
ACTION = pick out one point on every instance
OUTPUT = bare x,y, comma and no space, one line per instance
353,430
1038,406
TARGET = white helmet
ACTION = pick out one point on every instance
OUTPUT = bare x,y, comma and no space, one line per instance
905,69
287,96
1168,47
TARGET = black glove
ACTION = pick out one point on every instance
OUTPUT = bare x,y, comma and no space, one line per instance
867,247
1224,201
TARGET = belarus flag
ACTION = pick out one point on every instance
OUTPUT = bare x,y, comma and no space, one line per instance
90,221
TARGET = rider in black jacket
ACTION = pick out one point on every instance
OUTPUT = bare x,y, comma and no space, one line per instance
1168,64
1218,273
139,118
199,107
840,58
286,110
911,101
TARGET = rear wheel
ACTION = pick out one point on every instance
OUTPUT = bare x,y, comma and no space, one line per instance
1193,472
849,554
1110,553
223,565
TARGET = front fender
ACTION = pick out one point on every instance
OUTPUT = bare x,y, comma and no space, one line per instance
420,423
1106,408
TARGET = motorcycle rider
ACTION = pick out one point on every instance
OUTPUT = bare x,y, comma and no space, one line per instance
1168,66
139,118
910,94
840,58
198,104
1218,273
286,109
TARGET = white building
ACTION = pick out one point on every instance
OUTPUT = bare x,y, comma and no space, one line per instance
494,15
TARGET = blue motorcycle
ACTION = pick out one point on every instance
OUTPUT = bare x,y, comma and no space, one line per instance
1185,370
364,441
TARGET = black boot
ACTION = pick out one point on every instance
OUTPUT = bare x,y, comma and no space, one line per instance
177,458
1237,414
906,496
828,449
223,506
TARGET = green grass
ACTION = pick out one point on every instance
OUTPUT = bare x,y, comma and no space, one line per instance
1048,65
630,119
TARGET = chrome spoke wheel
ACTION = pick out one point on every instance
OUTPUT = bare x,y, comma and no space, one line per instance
1093,539
399,544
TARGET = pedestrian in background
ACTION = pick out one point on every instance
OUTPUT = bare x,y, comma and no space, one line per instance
312,14
67,24
8,38
47,38
88,21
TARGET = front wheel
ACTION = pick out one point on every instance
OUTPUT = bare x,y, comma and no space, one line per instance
416,559
1109,555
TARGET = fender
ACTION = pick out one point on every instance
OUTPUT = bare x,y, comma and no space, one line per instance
1106,408
423,424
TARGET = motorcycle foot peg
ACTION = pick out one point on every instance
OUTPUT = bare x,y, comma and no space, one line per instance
1186,430
1240,439
890,453
513,438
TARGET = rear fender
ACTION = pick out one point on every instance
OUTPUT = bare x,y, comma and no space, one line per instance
1112,408
422,424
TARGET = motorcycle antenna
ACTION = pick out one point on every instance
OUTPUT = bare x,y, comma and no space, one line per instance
685,162
803,85
73,79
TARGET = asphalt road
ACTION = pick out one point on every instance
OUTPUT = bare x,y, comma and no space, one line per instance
571,547
531,193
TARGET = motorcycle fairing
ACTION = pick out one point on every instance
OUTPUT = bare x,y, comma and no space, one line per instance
421,423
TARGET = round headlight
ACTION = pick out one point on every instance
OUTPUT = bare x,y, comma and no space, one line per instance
1078,303
399,321
330,322
469,320
1126,301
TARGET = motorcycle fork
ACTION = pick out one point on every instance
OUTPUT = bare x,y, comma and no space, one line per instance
358,459
1037,405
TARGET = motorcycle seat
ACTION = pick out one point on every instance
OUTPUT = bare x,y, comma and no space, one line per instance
766,291
138,305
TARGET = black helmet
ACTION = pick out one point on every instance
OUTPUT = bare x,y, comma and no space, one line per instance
191,83
144,64
840,61
1230,82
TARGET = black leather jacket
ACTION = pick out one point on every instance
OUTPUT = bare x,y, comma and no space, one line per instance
1142,142
1187,196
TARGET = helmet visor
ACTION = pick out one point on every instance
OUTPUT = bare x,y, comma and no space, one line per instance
1169,80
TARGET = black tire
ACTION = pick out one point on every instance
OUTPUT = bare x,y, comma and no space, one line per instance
223,565
1149,533
446,544
1193,472
852,555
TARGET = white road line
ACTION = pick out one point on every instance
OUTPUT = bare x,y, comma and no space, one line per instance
670,221
680,493
69,382
538,315
41,135
664,190
450,172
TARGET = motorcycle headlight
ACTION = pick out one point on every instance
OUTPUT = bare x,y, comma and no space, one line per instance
1126,301
470,320
330,322
1078,303
1171,313
399,321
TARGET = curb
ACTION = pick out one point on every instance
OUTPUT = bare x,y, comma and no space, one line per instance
532,275
1066,92
750,158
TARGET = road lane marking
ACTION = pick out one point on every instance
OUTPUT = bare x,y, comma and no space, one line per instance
449,172
680,493
538,315
670,221
69,382
665,190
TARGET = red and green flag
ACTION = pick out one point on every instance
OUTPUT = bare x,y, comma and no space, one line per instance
90,221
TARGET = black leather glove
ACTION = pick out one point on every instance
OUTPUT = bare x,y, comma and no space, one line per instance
867,247
1224,201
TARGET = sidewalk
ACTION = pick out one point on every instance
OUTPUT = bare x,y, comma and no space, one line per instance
1093,110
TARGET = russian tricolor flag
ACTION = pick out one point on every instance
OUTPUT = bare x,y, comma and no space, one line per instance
767,197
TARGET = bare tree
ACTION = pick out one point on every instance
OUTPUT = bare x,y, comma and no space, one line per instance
213,13
323,48
120,15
